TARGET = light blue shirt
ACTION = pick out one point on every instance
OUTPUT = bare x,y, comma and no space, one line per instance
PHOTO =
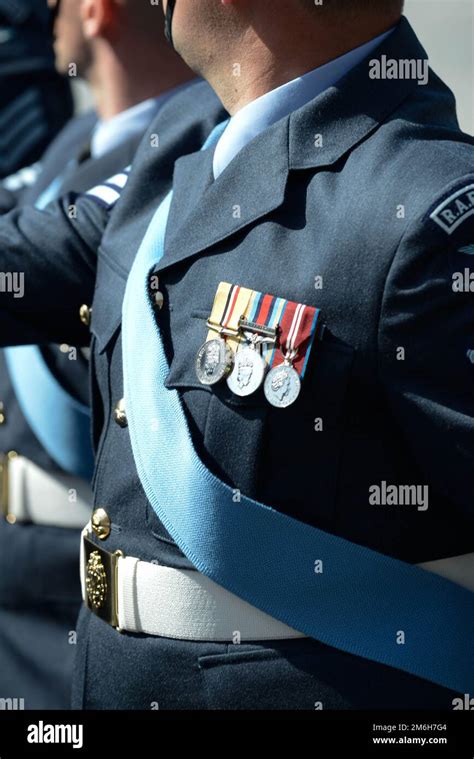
266,110
109,134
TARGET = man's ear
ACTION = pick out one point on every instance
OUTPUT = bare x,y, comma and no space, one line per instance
99,17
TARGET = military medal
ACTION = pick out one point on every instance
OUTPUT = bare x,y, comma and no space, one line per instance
297,330
257,339
215,359
249,368
257,326
282,384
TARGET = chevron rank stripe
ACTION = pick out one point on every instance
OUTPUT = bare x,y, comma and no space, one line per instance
107,193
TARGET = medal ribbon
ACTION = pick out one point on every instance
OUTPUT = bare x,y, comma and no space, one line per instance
296,321
230,304
297,328
297,332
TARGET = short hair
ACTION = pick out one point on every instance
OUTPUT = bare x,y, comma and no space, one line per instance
356,6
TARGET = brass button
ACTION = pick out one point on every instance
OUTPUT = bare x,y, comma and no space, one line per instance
120,415
101,523
85,313
158,300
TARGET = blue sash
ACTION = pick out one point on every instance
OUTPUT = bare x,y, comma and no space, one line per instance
59,421
362,600
50,193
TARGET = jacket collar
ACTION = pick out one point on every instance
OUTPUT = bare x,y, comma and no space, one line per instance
355,107
254,183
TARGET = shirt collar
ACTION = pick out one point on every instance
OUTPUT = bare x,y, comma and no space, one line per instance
109,134
266,110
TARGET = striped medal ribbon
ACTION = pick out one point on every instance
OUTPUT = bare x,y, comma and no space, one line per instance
298,324
257,332
215,359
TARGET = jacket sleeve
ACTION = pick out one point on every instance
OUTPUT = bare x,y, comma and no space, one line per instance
426,342
14,187
8,199
47,270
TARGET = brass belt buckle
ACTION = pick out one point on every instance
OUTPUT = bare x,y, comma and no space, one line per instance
101,580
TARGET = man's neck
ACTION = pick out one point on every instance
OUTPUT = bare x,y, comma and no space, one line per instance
115,88
264,70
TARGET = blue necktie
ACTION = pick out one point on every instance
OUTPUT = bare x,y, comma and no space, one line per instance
361,602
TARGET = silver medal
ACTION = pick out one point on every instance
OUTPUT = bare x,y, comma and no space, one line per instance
214,361
248,373
282,385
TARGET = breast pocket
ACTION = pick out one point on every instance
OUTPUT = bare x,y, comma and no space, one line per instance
285,458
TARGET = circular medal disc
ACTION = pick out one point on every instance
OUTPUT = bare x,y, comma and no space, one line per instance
248,372
282,386
214,361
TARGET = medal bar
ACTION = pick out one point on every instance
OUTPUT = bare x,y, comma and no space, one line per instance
260,329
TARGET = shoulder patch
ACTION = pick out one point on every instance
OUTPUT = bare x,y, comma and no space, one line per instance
453,211
107,193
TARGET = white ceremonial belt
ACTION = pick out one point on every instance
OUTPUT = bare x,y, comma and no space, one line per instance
458,569
31,494
140,597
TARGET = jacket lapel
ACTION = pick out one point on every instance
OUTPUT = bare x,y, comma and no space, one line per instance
192,178
252,186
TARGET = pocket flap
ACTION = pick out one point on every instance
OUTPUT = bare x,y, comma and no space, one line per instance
182,371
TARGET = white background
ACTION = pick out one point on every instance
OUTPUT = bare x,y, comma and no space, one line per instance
446,30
